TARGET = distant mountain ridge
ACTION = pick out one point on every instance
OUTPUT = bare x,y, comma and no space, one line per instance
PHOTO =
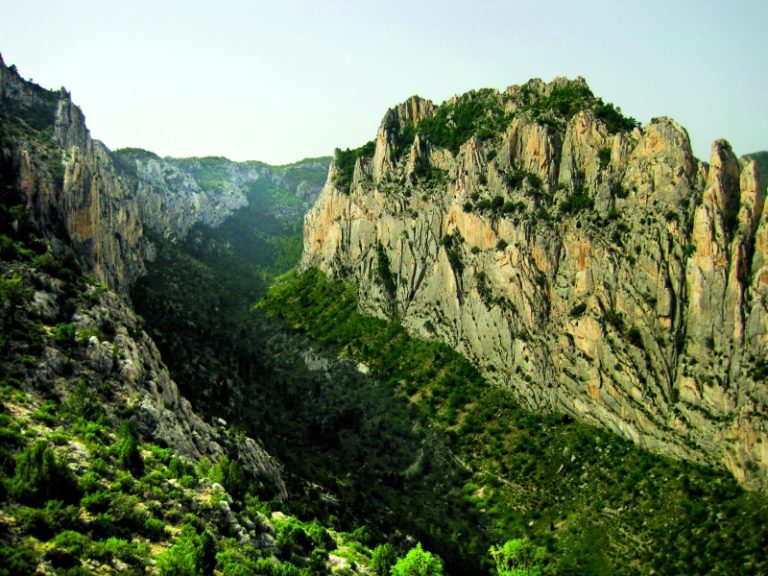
106,201
587,264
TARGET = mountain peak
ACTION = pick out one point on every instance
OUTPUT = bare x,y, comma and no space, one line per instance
585,263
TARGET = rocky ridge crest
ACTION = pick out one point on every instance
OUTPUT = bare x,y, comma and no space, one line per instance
587,264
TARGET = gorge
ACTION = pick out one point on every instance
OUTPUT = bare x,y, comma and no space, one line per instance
518,315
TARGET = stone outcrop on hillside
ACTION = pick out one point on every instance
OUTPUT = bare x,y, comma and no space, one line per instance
92,204
177,193
69,181
104,201
586,264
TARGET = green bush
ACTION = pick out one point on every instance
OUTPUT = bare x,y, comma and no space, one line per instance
192,554
518,557
43,523
578,310
604,157
293,539
383,559
635,337
40,477
128,451
17,561
64,333
230,475
84,404
418,562
576,203
46,413
131,553
385,270
345,164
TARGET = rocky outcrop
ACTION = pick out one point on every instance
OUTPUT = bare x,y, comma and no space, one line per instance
89,202
69,181
105,202
585,263
177,193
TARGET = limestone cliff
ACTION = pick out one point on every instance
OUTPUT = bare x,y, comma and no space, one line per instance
104,202
68,179
585,263
86,211
177,193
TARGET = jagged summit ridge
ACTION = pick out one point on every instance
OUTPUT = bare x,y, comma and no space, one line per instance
586,263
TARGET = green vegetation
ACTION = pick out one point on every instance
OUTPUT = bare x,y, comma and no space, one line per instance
518,557
452,245
81,492
383,558
106,521
385,271
578,310
576,202
404,138
345,160
41,477
192,554
418,562
565,100
604,157
478,113
529,473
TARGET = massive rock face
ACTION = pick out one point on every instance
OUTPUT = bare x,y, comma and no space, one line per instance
587,264
96,207
104,202
69,181
175,194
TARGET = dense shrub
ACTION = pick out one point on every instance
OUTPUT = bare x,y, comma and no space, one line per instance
128,451
345,163
418,562
192,554
383,559
576,203
40,477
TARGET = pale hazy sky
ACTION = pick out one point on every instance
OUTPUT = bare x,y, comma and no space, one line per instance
282,80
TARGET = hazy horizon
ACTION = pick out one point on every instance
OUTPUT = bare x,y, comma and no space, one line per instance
258,81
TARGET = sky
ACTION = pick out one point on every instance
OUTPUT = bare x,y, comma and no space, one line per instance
282,80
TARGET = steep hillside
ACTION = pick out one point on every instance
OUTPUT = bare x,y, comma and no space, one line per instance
104,466
588,265
70,185
105,469
596,503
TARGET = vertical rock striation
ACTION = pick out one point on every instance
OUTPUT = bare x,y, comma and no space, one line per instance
585,263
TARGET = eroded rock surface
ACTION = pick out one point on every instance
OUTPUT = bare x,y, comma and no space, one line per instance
588,266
